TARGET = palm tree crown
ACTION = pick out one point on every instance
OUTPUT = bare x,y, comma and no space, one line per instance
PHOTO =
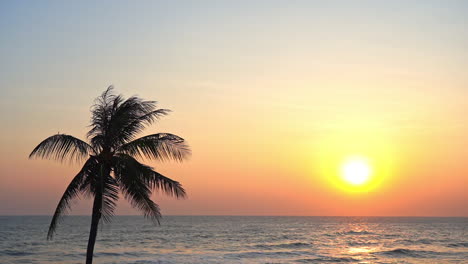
111,155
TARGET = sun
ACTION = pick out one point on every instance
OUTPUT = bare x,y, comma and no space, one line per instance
356,171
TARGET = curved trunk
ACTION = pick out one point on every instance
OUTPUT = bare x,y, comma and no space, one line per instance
97,207
94,227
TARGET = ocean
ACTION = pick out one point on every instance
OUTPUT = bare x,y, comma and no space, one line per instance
239,239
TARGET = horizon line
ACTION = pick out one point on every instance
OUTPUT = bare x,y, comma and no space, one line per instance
382,216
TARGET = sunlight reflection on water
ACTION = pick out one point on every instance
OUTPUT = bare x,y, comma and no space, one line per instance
354,250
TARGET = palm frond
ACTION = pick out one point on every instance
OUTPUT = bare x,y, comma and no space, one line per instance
134,125
161,146
101,113
141,200
116,121
167,185
126,166
72,191
61,147
110,195
129,118
135,184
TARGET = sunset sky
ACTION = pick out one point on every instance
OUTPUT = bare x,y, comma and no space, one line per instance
272,96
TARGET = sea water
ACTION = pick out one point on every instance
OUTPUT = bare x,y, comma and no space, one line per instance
238,239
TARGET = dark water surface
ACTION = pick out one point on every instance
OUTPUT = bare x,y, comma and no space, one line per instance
239,239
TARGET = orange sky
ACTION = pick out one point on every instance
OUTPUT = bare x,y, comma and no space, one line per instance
271,99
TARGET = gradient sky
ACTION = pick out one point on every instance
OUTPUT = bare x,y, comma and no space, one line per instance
270,95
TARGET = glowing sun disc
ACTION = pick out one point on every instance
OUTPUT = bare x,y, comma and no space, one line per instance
356,171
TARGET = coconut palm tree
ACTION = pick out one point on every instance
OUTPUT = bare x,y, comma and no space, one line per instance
112,164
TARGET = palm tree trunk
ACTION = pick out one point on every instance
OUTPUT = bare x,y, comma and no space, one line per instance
94,227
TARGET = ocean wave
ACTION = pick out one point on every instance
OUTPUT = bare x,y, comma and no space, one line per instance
121,254
202,236
404,252
74,255
459,244
292,245
353,232
15,253
362,243
261,254
327,260
417,241
112,254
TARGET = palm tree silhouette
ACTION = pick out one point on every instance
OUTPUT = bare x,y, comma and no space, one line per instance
111,160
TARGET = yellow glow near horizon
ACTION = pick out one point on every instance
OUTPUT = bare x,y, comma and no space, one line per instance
356,171
358,161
